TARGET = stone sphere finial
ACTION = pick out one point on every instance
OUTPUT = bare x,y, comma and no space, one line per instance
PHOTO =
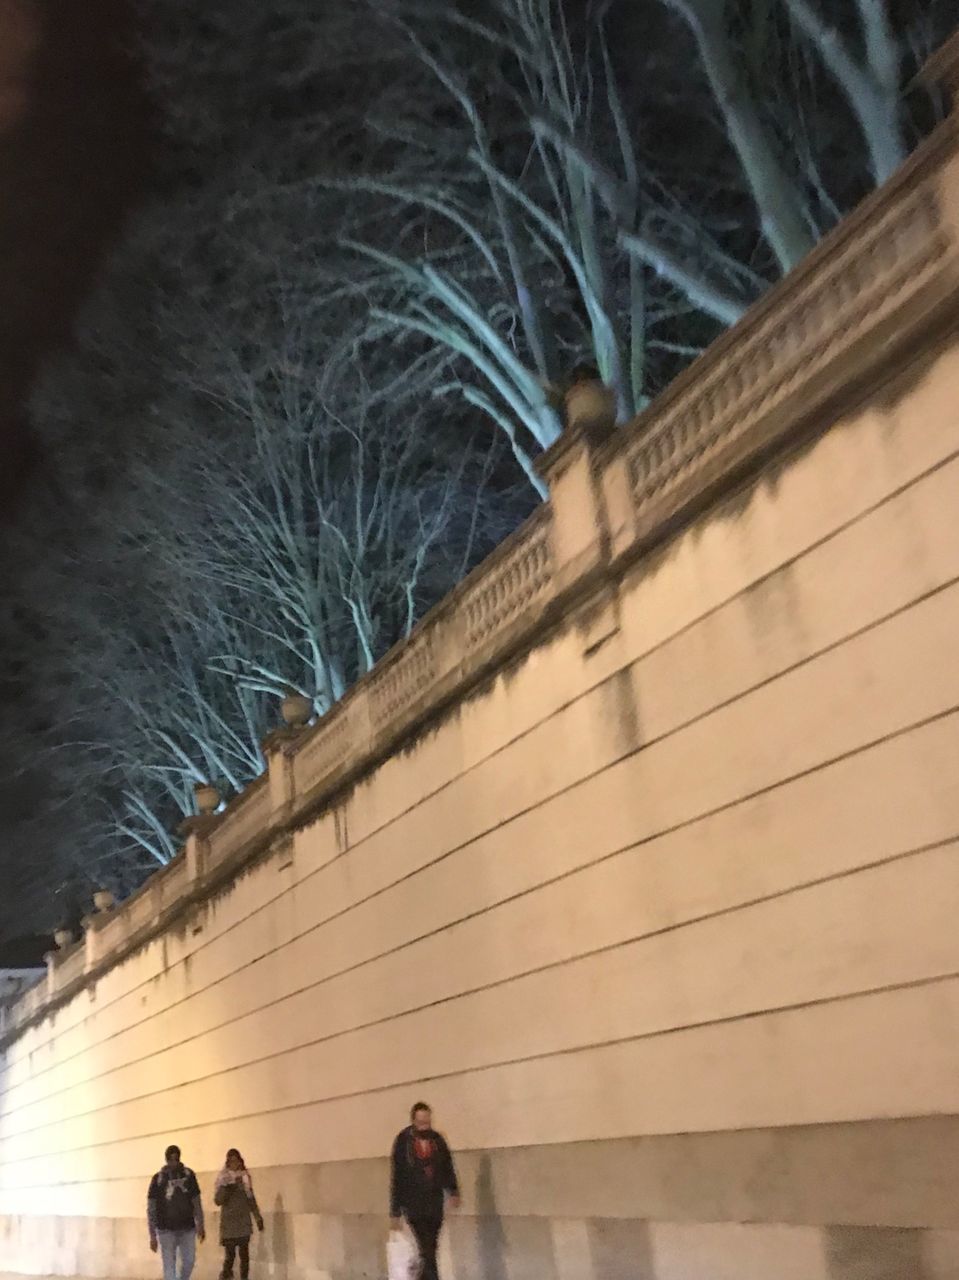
207,798
103,900
589,405
296,710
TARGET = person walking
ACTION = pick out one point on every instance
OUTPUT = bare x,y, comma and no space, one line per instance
238,1212
422,1177
175,1216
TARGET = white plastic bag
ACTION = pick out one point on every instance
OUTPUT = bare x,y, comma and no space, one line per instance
402,1257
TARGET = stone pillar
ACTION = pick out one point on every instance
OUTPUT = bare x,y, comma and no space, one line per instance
91,939
942,72
572,469
619,503
50,959
362,730
196,831
279,765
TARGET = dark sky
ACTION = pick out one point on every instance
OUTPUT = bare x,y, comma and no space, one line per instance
73,161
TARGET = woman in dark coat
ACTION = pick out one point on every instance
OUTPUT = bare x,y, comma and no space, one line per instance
238,1212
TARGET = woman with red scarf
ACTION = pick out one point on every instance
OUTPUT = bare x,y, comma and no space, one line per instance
238,1211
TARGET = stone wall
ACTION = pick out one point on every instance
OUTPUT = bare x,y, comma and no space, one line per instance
639,861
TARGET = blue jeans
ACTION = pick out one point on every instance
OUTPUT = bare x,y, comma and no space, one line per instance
172,1243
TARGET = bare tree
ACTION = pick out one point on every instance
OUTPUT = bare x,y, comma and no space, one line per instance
333,529
279,524
516,272
544,229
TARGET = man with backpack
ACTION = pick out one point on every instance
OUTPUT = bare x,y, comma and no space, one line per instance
422,1176
175,1216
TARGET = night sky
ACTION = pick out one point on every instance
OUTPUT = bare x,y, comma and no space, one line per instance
74,160
74,146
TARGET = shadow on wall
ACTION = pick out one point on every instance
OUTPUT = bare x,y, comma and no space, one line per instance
491,1237
281,1241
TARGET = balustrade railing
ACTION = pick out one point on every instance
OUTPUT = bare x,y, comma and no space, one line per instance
509,584
244,819
326,746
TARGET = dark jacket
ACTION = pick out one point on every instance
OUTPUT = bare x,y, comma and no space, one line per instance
411,1193
238,1209
173,1201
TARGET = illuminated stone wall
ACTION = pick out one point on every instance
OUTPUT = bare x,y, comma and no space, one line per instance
639,862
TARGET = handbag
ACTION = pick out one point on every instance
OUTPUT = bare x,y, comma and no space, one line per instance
402,1257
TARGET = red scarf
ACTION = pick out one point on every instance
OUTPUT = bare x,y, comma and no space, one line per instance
424,1149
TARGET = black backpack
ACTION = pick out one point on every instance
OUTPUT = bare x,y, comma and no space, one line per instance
175,1200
